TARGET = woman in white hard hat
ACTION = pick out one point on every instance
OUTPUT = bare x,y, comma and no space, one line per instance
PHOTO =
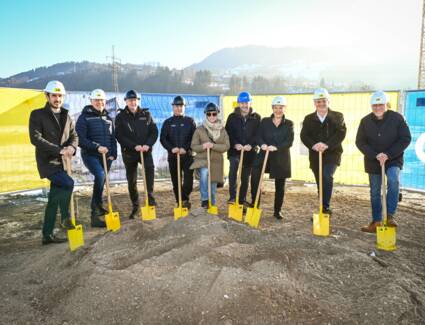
382,137
275,134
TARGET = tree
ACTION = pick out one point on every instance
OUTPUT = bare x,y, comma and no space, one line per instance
202,80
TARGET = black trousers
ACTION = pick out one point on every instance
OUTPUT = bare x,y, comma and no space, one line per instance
131,167
233,174
279,189
186,175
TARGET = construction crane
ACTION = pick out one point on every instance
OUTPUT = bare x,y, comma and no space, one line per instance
421,73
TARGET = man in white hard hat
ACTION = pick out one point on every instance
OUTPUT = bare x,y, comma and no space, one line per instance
382,137
53,134
96,137
323,131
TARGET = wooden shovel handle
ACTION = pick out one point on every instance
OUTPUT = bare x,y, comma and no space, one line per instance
105,167
209,176
179,180
68,168
384,195
145,187
260,184
320,183
238,182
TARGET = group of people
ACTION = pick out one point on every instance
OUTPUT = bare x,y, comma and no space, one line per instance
382,137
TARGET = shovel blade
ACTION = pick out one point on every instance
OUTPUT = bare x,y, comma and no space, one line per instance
253,216
321,224
75,237
112,220
213,210
180,212
386,238
148,213
235,211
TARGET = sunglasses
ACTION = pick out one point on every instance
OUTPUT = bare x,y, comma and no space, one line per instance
211,114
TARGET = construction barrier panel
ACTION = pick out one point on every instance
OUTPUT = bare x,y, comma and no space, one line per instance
413,174
354,106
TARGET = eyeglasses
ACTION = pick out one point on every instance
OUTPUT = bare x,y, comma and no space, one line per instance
211,113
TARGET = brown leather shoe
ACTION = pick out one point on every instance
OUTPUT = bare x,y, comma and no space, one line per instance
391,222
371,228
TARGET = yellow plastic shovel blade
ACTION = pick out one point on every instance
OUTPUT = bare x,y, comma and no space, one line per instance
213,210
253,216
112,220
180,212
386,238
321,224
235,211
75,237
148,213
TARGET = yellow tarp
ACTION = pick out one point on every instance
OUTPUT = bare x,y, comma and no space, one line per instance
18,170
353,105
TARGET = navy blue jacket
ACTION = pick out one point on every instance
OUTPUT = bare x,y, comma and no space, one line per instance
177,132
391,135
96,129
242,131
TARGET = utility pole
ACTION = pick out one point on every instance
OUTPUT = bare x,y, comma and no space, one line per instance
421,73
115,66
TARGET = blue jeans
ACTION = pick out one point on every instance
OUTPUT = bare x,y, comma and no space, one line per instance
95,165
203,185
393,188
61,187
328,182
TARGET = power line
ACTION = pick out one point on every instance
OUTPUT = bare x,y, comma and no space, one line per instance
115,65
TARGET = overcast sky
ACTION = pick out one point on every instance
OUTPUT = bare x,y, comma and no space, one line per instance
179,33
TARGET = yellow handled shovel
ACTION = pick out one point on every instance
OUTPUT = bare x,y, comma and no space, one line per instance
179,212
147,212
321,220
253,214
385,235
112,219
75,236
235,209
212,209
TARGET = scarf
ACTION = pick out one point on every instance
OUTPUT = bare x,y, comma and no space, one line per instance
213,129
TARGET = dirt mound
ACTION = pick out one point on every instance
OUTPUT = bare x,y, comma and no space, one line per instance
208,270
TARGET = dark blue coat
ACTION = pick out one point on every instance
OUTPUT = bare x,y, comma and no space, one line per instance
96,129
177,132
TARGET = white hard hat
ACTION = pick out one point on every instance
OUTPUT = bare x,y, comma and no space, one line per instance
55,87
321,93
279,100
98,94
379,97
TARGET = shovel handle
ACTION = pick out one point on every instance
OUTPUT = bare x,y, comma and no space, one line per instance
179,181
142,162
260,184
67,166
238,181
320,183
209,176
105,167
384,194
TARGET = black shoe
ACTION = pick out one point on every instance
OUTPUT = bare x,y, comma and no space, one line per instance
231,201
134,213
101,209
327,211
186,204
67,224
278,215
96,222
52,239
204,204
152,201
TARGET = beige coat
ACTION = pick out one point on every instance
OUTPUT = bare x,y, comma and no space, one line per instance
221,145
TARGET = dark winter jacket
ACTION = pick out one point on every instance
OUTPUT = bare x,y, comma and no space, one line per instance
136,129
282,137
177,132
391,135
50,136
242,130
96,129
331,132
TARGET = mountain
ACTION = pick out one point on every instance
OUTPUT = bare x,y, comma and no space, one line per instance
336,65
